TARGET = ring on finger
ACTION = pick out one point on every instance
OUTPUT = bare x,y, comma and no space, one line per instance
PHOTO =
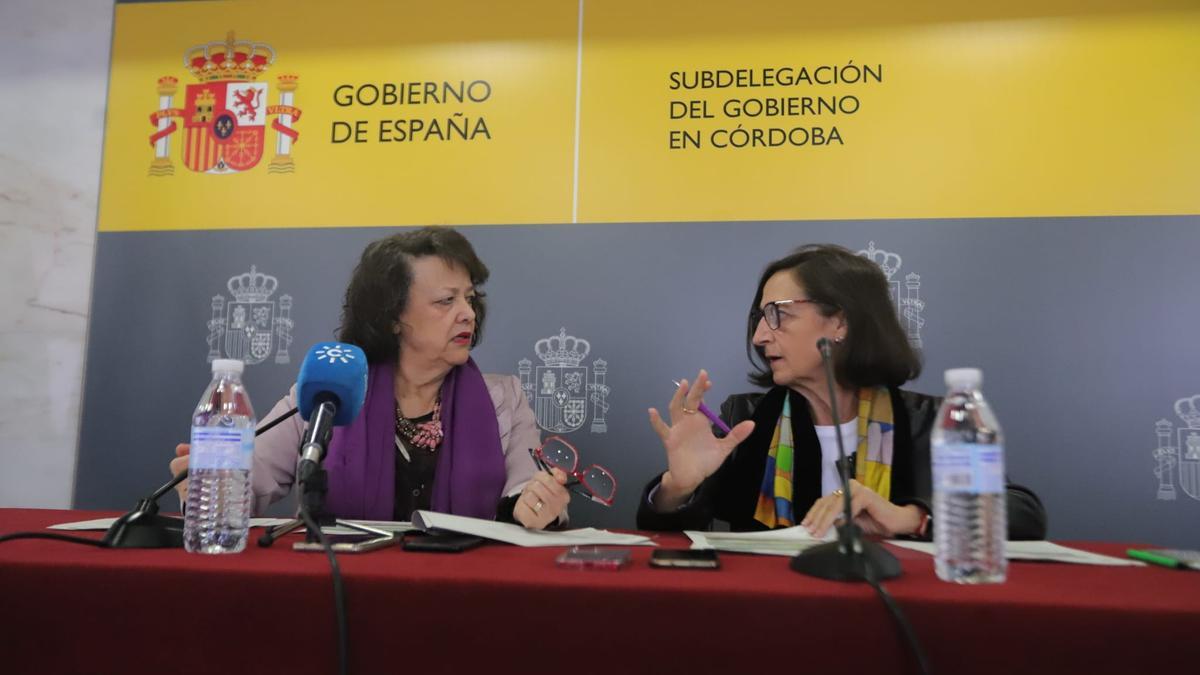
538,506
687,410
838,492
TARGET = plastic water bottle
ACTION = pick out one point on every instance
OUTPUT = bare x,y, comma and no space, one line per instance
969,514
218,496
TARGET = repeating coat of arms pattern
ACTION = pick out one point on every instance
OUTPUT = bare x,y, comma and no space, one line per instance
251,325
561,390
1179,449
906,298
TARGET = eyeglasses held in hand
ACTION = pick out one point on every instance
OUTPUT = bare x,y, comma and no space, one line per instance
595,482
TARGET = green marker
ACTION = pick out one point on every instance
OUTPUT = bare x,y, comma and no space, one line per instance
1159,557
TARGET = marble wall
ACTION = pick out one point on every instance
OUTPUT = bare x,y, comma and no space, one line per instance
53,79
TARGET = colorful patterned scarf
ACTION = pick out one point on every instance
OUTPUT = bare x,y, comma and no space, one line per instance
876,436
775,495
873,465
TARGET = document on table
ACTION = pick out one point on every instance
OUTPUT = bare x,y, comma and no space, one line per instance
1037,550
105,523
392,526
788,541
521,536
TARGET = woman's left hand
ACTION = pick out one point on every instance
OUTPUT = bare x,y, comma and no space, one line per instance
543,500
874,514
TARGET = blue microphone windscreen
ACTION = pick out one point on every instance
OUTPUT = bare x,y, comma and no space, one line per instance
333,369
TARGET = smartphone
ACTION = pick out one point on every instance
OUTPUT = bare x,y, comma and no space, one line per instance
1168,557
594,558
349,543
440,542
698,559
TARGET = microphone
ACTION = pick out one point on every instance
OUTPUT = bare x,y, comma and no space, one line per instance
850,558
330,392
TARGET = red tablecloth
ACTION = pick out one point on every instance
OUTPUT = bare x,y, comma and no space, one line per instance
67,608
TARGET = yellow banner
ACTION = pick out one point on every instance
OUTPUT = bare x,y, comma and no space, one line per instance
395,113
367,113
776,110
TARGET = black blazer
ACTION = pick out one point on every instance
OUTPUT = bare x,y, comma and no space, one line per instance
731,493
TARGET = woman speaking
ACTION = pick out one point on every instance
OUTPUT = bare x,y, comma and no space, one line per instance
777,466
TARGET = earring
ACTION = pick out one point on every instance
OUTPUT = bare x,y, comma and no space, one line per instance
838,340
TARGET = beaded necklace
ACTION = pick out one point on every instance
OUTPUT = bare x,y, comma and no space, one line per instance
427,434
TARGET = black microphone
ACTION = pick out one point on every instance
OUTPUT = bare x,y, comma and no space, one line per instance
143,527
315,441
850,558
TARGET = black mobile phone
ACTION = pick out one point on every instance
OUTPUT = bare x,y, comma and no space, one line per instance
702,559
440,542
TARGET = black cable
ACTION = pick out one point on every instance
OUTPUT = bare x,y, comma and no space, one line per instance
339,596
270,425
906,629
51,535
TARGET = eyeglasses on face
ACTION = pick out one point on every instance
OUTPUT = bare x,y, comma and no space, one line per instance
594,482
770,311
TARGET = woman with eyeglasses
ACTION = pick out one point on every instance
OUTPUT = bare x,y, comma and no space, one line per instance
777,466
434,432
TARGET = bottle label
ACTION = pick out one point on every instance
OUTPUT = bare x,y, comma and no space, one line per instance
221,448
971,468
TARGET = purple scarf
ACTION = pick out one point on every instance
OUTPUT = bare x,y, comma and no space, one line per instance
470,473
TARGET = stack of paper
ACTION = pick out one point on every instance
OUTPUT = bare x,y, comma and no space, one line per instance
1038,550
515,534
788,541
386,525
105,523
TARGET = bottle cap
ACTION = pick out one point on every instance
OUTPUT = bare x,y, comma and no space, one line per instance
964,378
228,366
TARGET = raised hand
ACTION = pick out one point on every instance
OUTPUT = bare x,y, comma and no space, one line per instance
693,452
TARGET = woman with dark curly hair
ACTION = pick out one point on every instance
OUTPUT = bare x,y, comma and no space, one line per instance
777,465
434,432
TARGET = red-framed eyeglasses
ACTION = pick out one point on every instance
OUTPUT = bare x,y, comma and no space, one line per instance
594,482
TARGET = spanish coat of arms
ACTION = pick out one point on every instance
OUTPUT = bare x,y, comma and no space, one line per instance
225,113
560,389
907,300
1180,449
250,326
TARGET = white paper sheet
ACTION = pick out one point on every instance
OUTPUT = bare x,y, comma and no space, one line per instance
101,524
393,526
1038,550
516,534
105,523
785,542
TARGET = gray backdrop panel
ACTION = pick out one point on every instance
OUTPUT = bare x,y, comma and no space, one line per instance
1085,328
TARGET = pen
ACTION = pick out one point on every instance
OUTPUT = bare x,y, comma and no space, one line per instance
545,466
709,414
1150,557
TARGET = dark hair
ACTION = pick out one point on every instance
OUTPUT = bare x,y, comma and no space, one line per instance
378,289
876,351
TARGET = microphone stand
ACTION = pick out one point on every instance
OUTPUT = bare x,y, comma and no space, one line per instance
850,558
314,482
143,527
